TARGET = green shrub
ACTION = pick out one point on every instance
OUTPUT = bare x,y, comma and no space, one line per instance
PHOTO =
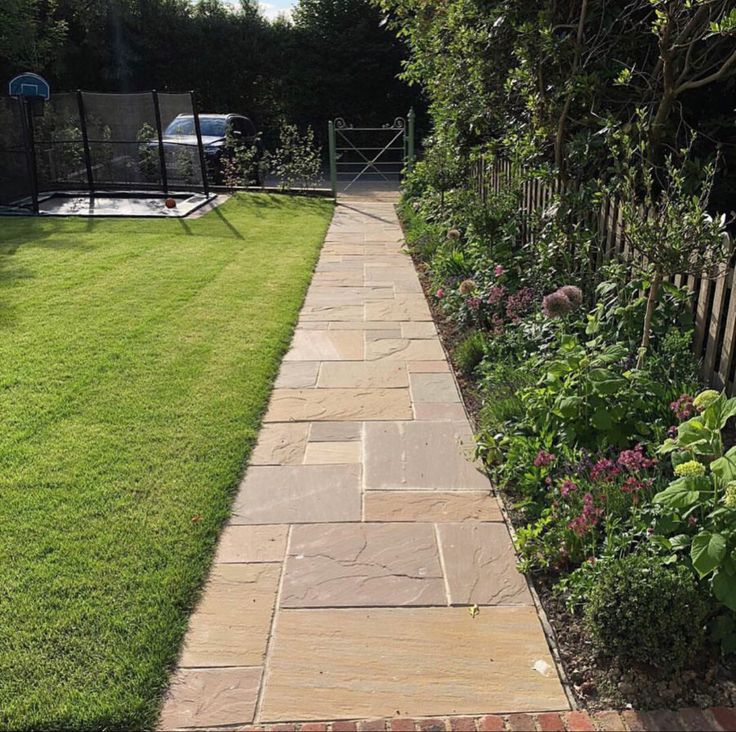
645,612
469,352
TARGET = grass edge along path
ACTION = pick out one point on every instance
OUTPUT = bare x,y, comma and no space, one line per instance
136,360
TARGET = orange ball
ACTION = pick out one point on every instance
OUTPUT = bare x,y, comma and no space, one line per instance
170,203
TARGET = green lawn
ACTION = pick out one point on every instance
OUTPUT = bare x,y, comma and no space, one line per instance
136,359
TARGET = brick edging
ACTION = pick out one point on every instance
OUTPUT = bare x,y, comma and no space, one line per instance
715,719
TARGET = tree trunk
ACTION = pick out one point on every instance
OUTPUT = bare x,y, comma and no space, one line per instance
646,332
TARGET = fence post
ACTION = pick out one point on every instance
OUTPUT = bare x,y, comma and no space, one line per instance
410,157
200,146
333,157
160,135
85,141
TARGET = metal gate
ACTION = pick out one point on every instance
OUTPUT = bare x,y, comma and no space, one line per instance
374,153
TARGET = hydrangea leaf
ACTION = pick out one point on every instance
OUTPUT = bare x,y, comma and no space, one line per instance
707,552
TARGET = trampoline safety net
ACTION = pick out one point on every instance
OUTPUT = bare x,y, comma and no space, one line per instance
89,141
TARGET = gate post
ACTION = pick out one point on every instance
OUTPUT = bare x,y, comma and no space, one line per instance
410,155
333,157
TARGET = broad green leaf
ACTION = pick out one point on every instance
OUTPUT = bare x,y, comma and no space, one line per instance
678,495
601,420
724,588
707,552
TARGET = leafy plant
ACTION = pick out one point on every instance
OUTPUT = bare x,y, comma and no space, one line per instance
469,352
297,159
699,505
645,612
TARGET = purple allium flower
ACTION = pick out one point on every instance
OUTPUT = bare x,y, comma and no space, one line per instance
453,234
498,270
573,294
466,287
556,304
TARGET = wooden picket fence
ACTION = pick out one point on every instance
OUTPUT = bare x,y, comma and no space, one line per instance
713,300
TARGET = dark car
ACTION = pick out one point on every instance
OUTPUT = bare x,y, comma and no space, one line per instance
214,128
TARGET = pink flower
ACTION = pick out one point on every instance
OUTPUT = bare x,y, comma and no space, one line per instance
605,470
496,294
498,270
519,303
473,303
683,407
567,487
634,460
439,294
543,459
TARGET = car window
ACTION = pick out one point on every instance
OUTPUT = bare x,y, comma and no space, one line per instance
182,126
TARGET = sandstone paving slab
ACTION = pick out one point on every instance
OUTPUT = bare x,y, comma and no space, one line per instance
430,506
297,375
433,389
419,329
454,412
480,565
366,325
363,374
312,325
231,624
243,544
210,697
387,662
333,453
402,307
308,405
402,349
349,565
335,431
298,494
348,278
281,443
347,295
427,367
322,345
332,312
421,456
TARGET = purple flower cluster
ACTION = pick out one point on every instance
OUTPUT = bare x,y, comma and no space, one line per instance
519,304
543,459
683,407
588,518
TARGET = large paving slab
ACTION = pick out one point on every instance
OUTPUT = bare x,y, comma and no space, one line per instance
480,565
299,494
421,455
381,662
230,625
431,506
307,405
349,565
363,374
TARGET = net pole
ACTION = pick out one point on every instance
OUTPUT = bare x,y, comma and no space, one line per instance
27,117
200,146
160,135
85,142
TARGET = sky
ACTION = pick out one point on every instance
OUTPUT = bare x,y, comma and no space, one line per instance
272,8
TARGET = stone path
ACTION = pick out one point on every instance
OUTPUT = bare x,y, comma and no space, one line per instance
363,536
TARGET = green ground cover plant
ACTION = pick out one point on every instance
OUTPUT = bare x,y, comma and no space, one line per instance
136,359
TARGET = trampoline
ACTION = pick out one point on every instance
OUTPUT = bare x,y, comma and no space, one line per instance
93,154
